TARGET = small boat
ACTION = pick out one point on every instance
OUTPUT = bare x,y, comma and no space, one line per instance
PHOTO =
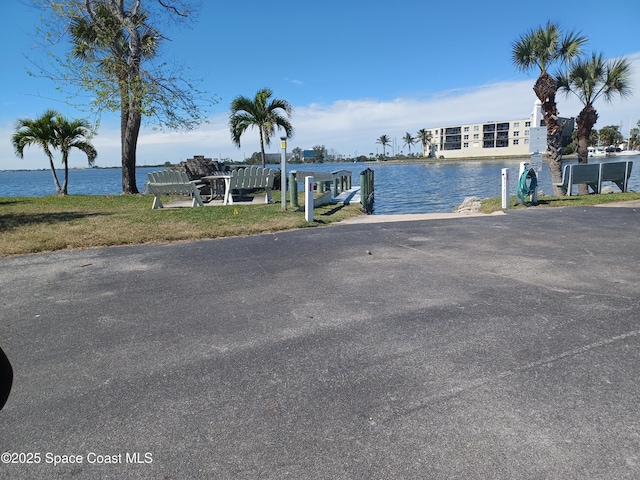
626,153
596,152
618,152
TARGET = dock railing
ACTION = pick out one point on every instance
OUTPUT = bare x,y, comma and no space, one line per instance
336,182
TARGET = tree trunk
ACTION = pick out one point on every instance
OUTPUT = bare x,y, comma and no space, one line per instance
65,161
129,146
55,176
264,164
545,89
585,120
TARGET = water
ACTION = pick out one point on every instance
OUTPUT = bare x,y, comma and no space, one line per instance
399,188
91,181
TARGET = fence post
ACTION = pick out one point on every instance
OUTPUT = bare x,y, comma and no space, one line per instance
308,199
367,190
505,188
293,189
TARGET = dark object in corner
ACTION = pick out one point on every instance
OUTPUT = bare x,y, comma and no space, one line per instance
6,378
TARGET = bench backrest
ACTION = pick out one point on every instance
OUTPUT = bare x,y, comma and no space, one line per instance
252,177
166,176
170,183
615,171
585,173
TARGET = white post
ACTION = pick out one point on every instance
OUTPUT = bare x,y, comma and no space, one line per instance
505,188
308,199
283,171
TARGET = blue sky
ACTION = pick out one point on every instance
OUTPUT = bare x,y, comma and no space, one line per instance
352,70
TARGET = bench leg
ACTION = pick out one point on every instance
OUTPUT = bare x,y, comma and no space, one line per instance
268,198
196,201
157,203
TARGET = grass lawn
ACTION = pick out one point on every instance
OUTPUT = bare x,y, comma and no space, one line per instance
491,205
38,224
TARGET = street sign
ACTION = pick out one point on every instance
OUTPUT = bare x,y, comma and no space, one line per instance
536,162
538,139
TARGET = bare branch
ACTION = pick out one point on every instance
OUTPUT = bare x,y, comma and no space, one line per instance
171,7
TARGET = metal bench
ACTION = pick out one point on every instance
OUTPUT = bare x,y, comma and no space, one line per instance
172,183
593,174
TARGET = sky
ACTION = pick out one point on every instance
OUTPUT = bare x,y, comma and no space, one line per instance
352,70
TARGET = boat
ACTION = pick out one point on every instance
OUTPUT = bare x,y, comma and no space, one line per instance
596,152
626,153
618,152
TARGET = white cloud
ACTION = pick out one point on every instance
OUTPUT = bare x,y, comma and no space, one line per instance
346,126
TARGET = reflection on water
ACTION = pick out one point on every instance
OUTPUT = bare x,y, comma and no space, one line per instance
399,188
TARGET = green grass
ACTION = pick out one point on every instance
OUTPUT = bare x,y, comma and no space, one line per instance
38,224
491,205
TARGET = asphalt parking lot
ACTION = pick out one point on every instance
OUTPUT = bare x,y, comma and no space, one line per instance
477,347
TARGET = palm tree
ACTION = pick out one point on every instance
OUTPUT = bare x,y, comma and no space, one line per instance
424,137
540,48
52,131
634,137
610,135
40,132
384,140
73,134
590,79
408,141
118,42
261,114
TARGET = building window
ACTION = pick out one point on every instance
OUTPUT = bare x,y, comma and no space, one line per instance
526,133
466,129
516,134
527,124
476,136
466,137
515,142
466,144
476,128
516,124
526,141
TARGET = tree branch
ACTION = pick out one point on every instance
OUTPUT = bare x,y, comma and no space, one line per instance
171,7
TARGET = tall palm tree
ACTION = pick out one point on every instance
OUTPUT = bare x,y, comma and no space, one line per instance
590,79
260,113
73,134
40,132
424,137
118,42
384,140
408,141
538,49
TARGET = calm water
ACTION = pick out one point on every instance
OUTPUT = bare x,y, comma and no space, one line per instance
399,188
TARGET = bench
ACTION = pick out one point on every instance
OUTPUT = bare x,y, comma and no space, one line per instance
249,178
594,174
172,183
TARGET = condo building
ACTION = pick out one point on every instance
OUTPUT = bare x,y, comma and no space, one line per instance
509,138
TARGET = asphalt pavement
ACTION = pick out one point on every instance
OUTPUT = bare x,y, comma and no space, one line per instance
503,346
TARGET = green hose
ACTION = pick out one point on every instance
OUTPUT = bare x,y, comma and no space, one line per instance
524,190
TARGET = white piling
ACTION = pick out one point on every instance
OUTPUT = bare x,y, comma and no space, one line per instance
505,188
308,199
